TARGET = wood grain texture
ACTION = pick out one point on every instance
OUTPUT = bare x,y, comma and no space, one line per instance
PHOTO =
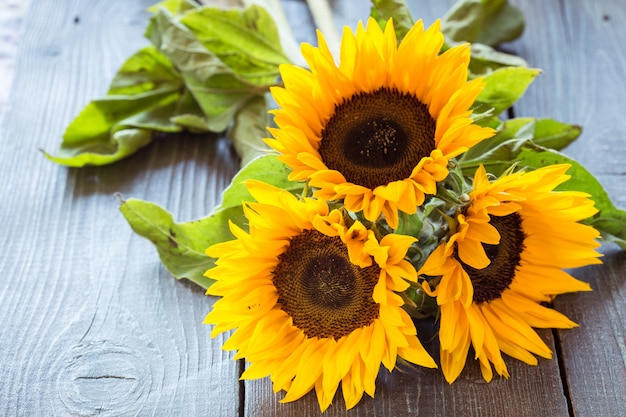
11,15
580,47
594,355
92,324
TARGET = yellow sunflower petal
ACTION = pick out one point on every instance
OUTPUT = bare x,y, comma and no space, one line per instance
506,257
311,302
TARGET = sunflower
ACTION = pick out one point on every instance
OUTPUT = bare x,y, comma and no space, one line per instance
506,258
378,129
314,301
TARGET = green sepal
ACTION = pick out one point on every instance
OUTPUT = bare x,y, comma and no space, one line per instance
429,225
420,305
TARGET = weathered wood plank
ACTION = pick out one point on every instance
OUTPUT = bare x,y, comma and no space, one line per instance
530,391
92,324
11,15
580,47
594,355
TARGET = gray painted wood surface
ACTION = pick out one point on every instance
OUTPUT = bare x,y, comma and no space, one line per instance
93,325
11,15
580,46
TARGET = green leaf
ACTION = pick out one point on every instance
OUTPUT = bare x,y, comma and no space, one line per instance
489,22
499,152
103,150
503,87
146,70
142,98
555,135
247,41
219,92
179,84
486,119
611,225
181,246
485,60
428,224
249,129
189,115
383,10
193,122
609,221
265,168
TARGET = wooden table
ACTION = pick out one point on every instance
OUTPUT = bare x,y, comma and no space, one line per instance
93,324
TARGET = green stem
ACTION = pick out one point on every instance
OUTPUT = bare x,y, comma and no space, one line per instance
305,190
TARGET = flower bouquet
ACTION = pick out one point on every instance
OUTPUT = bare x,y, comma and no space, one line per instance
391,188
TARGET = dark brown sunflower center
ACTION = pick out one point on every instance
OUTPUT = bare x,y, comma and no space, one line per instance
490,282
378,137
324,293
